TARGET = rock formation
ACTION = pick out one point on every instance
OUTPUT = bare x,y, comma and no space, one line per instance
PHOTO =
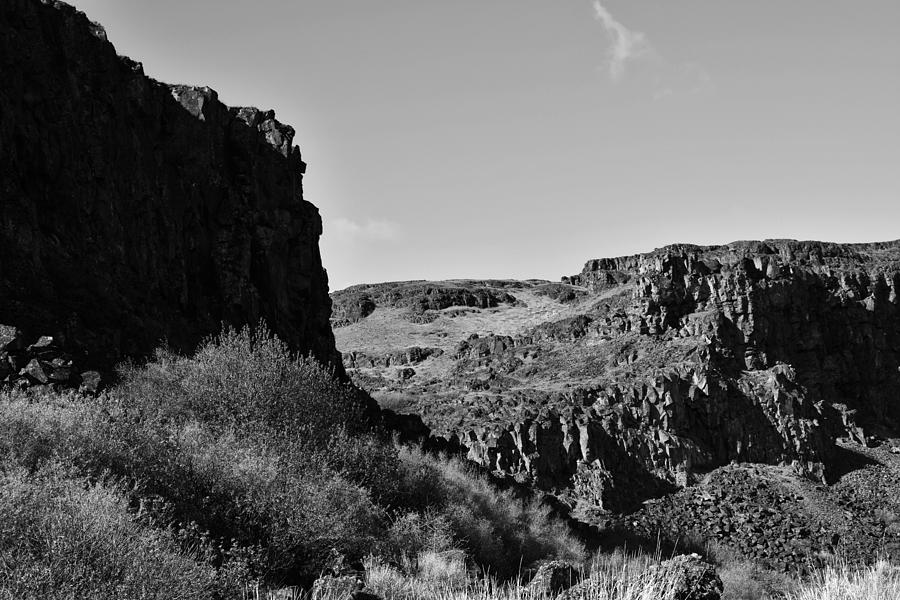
624,381
135,212
41,362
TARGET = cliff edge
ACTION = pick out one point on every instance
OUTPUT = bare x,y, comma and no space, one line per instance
134,212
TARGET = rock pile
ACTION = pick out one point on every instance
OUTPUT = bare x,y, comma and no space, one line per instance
41,362
763,514
692,577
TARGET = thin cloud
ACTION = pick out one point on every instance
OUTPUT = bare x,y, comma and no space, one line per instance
370,231
626,45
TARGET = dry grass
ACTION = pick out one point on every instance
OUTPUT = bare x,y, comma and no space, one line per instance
618,577
880,581
744,580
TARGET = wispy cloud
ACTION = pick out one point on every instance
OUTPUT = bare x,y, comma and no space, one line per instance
376,230
626,45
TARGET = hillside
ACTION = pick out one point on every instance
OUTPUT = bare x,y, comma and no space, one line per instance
642,375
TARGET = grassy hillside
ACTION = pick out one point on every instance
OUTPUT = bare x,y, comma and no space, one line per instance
240,464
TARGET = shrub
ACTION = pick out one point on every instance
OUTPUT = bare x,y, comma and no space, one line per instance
239,492
412,534
500,532
62,536
249,380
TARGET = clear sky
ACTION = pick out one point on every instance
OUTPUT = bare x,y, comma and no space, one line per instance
519,138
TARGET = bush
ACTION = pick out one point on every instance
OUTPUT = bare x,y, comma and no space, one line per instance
242,493
248,381
412,534
62,536
501,532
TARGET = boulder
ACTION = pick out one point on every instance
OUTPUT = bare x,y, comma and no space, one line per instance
10,338
37,370
553,577
693,578
44,344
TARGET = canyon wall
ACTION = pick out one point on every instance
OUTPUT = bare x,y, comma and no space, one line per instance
134,212
642,372
831,311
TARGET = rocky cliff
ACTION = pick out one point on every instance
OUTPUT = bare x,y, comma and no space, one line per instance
637,375
133,211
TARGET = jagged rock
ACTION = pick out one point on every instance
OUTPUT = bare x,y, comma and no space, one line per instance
421,299
135,212
352,311
36,370
45,343
561,292
553,577
42,364
409,356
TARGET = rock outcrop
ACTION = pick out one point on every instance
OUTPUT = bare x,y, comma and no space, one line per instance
419,299
626,380
831,311
134,212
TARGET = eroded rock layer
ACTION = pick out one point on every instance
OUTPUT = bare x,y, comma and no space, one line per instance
626,380
134,212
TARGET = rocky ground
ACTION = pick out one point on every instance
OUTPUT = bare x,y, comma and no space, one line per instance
780,521
736,388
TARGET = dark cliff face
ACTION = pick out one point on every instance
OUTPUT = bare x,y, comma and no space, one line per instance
133,212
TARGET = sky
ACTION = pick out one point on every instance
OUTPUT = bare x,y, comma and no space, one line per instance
520,138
